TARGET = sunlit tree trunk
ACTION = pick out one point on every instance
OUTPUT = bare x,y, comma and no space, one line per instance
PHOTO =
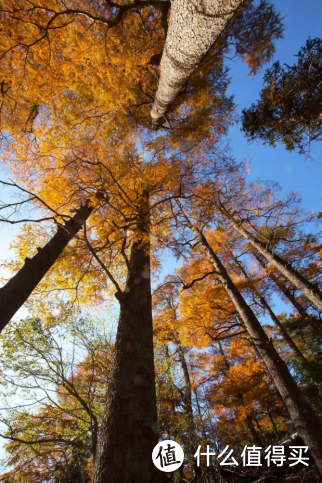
296,304
306,423
309,289
15,293
288,339
193,28
129,429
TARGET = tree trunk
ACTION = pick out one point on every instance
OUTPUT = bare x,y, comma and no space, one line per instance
15,293
188,410
193,28
301,310
307,288
129,429
288,339
256,437
306,423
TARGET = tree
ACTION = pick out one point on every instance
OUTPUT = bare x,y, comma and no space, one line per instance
290,105
300,411
17,290
54,435
195,27
262,220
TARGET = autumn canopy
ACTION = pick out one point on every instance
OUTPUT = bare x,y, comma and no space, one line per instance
113,128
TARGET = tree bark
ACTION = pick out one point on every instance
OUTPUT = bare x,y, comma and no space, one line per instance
129,429
309,289
288,339
305,421
15,293
301,310
193,28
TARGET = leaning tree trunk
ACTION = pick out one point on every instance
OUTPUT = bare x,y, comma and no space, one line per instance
288,339
129,429
312,321
306,423
193,28
15,293
307,288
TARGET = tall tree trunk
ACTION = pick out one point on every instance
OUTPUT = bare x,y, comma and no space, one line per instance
15,293
193,28
288,294
129,429
270,415
306,423
256,437
288,339
188,410
309,289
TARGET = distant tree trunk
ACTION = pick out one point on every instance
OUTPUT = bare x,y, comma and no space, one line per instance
256,437
288,339
270,415
193,28
309,289
188,410
15,293
288,294
306,423
129,429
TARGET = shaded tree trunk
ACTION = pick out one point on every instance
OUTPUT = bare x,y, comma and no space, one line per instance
305,421
188,410
309,289
288,339
256,437
129,429
270,415
288,294
15,293
193,28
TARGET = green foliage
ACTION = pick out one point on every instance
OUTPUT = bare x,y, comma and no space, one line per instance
54,383
290,105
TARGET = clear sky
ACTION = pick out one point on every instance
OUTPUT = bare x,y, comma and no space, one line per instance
303,19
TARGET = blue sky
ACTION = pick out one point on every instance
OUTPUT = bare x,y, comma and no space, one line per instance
303,19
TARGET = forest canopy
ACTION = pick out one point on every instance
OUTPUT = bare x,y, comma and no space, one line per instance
115,156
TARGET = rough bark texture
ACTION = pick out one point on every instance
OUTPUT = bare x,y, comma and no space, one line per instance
306,423
193,28
129,429
288,339
301,310
15,293
309,289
